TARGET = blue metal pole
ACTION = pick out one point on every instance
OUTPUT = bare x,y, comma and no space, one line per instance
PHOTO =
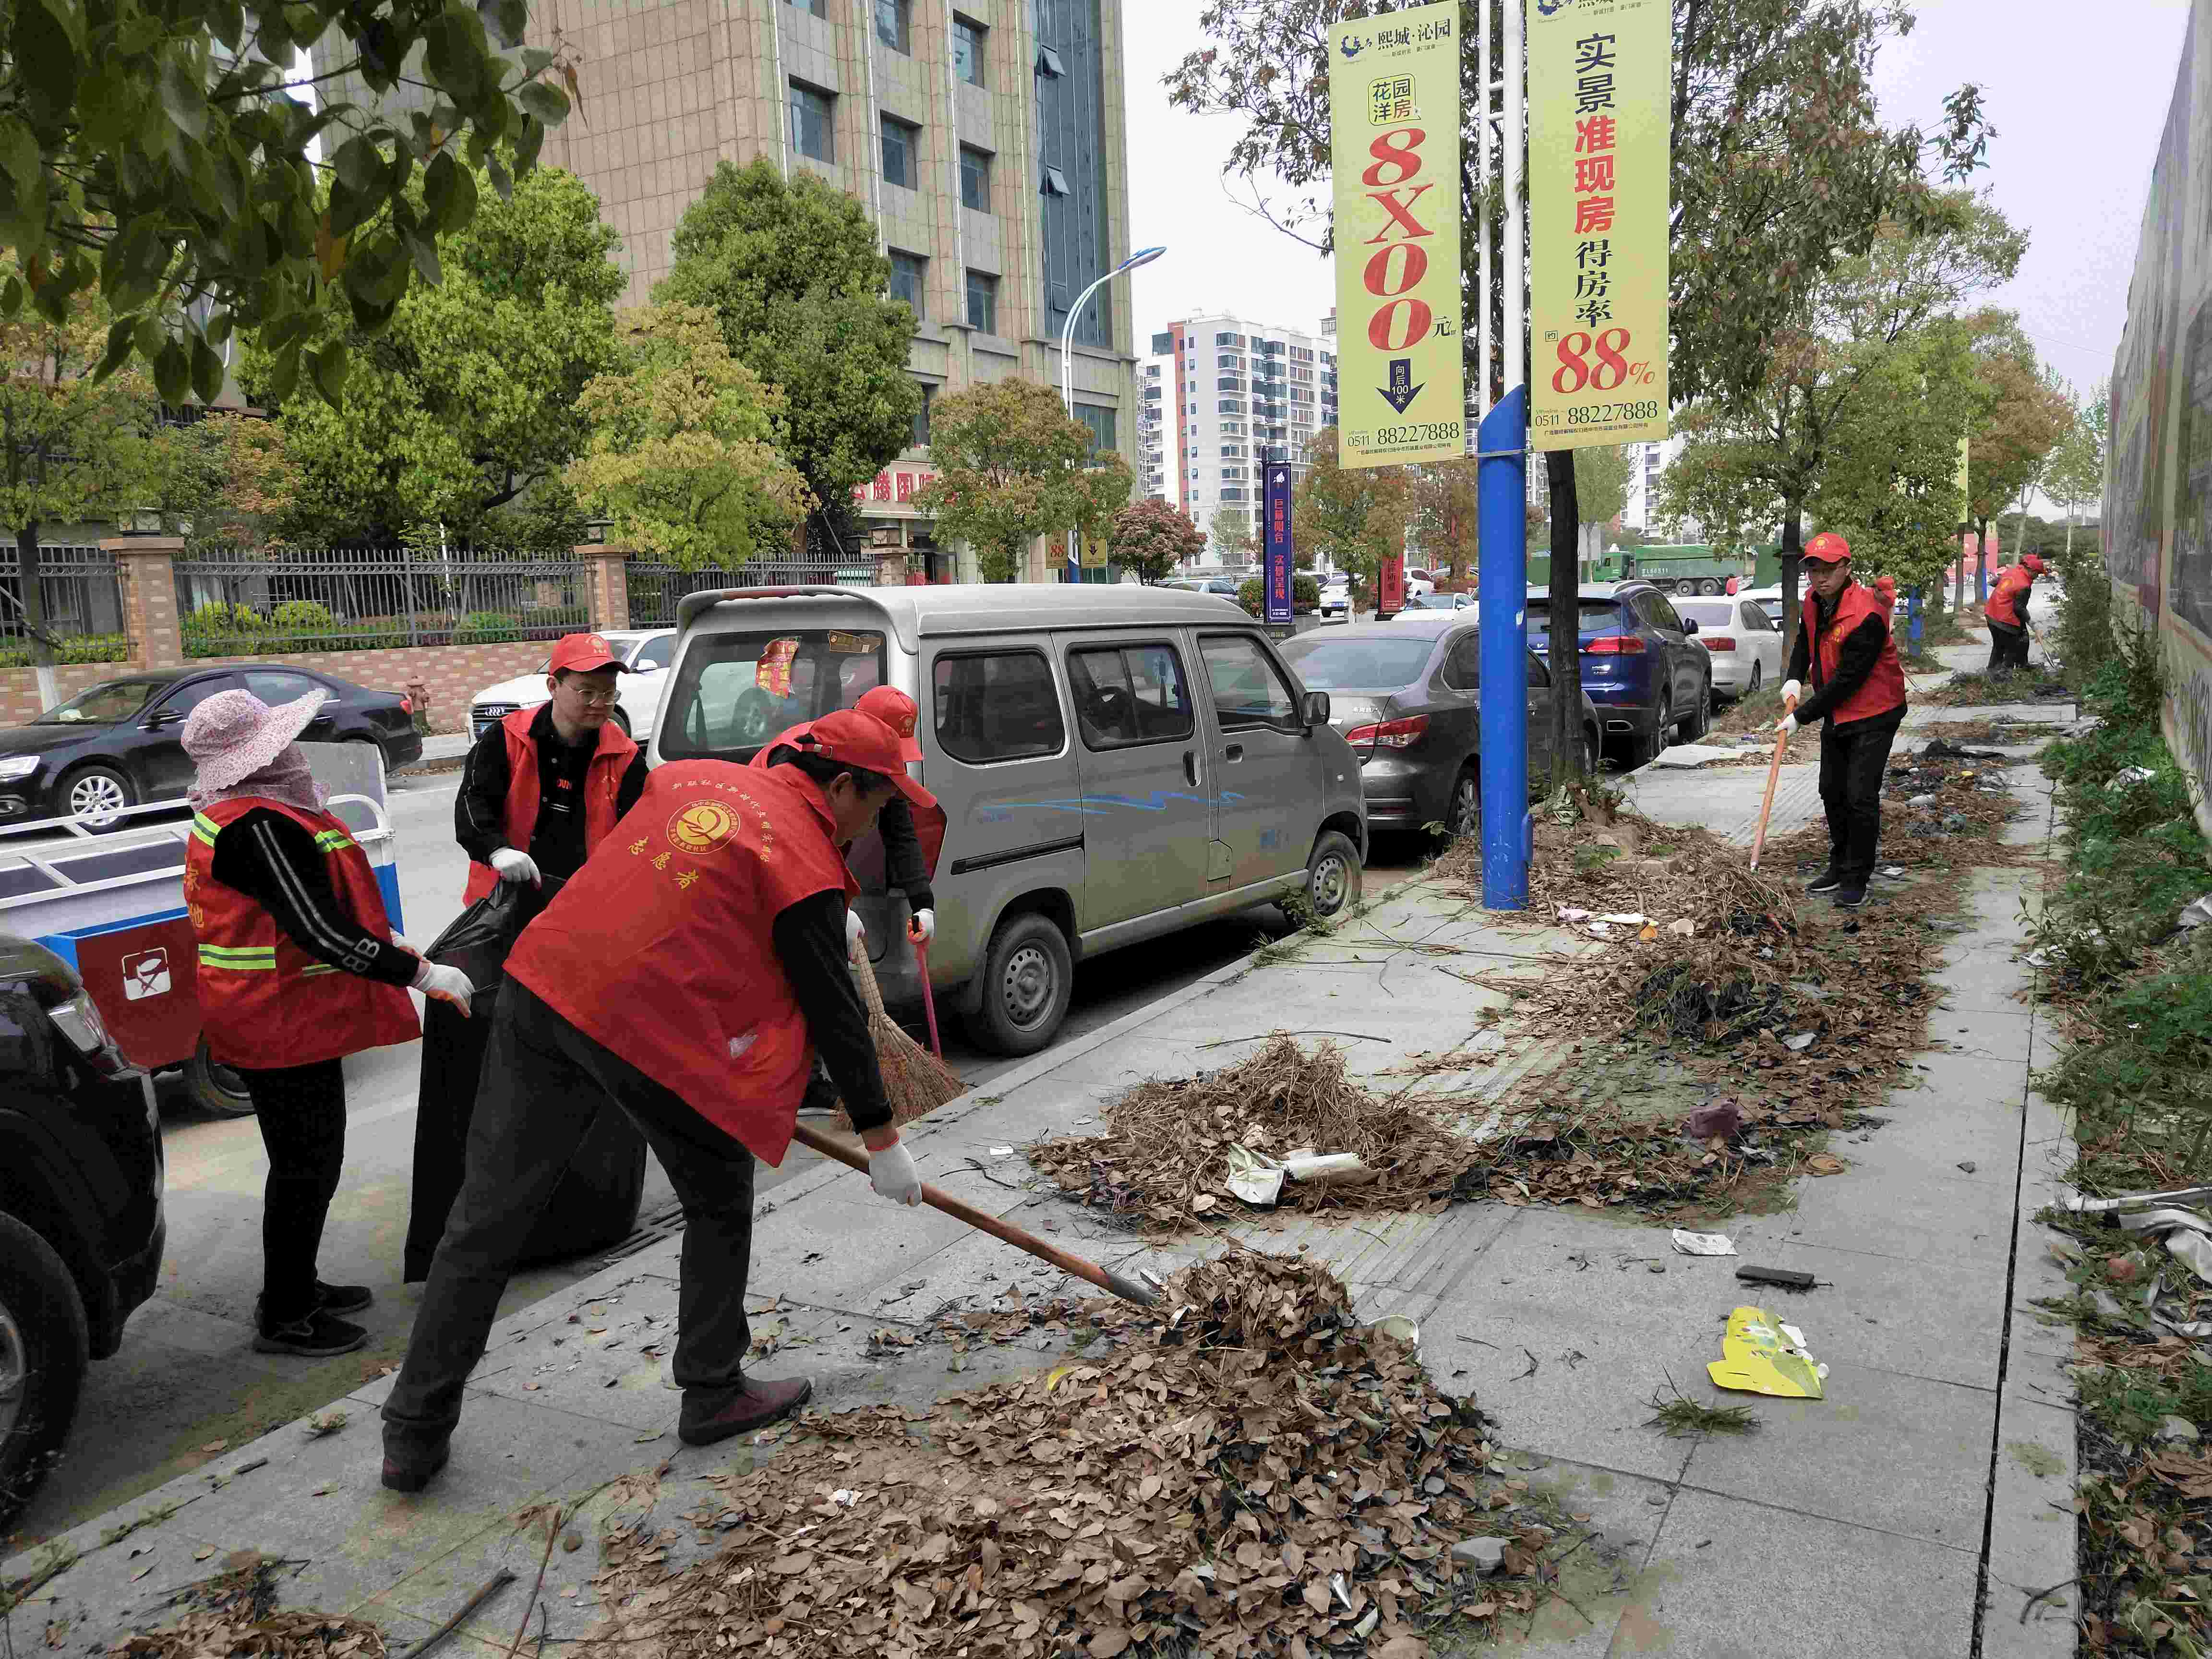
1912,618
1501,586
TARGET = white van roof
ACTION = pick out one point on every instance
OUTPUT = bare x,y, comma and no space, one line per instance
911,613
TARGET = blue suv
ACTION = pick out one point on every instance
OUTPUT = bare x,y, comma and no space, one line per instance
1647,677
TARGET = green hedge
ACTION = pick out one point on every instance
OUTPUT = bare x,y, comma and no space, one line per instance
1305,595
80,647
237,630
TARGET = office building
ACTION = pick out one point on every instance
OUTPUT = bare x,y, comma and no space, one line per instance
1220,396
985,138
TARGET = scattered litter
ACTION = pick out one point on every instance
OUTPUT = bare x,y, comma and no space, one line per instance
1484,1555
2081,1205
2196,913
1760,1354
1724,1118
1002,1152
1893,871
1689,1244
1568,914
1798,1041
1921,800
1824,1164
1789,1279
1682,927
1627,919
2128,776
1403,1328
1256,1180
2183,1230
1966,1164
2171,1429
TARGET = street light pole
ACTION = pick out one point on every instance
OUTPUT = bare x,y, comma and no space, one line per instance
1143,256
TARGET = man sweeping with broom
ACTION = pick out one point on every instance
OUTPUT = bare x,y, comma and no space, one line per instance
1845,647
687,973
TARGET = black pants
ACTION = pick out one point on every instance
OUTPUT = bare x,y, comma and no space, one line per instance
1853,758
2007,646
302,1114
544,1082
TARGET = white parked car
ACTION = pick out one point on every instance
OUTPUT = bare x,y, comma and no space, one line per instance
1747,647
1336,598
1428,603
638,693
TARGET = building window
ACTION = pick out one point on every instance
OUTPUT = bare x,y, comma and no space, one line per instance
901,152
1048,64
1162,345
819,7
1100,419
975,179
908,272
983,301
1055,182
1228,340
968,38
891,16
918,437
811,123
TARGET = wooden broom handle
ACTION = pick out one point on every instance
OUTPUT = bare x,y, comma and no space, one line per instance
846,1153
1773,774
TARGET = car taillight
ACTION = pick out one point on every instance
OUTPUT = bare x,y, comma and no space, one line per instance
1616,645
70,1007
406,703
1717,642
1390,735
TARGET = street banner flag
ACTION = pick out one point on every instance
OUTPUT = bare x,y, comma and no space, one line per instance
1394,132
1277,506
1600,150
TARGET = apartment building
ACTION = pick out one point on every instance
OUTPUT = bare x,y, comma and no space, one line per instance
1218,396
986,138
1646,463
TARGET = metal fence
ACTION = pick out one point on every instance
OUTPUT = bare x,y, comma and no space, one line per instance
656,590
234,603
82,601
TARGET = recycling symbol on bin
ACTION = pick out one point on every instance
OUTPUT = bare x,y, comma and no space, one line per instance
145,975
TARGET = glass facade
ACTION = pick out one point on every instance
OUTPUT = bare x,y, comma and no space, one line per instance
968,39
812,129
901,152
1071,103
975,179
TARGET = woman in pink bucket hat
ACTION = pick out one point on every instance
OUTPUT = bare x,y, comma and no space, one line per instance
298,967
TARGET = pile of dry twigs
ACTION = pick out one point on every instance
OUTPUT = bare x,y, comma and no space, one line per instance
234,1615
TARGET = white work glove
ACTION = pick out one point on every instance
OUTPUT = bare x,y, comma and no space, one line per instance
1786,724
892,1174
922,924
517,867
1792,691
404,942
856,938
434,979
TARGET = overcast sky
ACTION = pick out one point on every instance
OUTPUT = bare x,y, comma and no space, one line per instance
2078,111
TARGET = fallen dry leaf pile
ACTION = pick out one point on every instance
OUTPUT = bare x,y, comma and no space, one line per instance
1243,1472
1163,1162
234,1615
1963,801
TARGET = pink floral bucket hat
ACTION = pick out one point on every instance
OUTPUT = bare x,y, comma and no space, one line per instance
233,734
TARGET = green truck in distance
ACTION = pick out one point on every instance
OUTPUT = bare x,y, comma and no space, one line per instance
1690,569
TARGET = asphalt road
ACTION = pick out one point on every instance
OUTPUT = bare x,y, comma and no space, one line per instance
187,1379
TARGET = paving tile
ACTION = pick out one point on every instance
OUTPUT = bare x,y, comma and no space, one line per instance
2032,1535
1893,1315
828,1249
1923,1218
1923,1136
1897,1453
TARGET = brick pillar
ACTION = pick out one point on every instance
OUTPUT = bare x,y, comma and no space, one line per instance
145,570
609,585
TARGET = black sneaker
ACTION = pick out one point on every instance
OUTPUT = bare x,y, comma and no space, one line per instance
410,1468
1826,882
1851,898
343,1298
317,1336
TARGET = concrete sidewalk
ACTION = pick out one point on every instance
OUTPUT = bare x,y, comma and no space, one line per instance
1938,1468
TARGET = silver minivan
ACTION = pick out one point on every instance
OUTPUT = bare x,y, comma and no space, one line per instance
1115,763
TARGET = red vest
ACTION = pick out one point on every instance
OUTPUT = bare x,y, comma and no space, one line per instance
265,1003
1884,688
602,789
928,823
660,946
2001,605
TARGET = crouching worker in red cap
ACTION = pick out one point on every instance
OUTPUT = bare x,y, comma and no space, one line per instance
2006,612
1844,647
688,973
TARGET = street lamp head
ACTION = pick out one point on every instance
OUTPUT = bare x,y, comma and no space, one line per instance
1143,256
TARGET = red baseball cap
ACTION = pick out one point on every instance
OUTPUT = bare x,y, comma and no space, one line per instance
585,652
854,738
2032,562
1828,548
895,709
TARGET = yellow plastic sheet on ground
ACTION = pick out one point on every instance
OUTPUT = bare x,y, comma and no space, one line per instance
1760,1354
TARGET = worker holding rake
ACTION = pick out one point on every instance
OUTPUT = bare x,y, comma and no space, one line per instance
687,973
1845,647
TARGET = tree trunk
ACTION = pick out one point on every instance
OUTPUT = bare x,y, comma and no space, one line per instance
28,582
2069,532
1566,659
1793,547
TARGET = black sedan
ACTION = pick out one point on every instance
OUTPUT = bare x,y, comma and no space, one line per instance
81,1227
1405,693
118,743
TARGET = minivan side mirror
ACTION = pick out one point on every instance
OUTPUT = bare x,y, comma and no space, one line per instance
1689,625
1313,708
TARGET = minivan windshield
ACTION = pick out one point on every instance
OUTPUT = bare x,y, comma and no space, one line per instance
1341,665
1593,615
105,704
735,691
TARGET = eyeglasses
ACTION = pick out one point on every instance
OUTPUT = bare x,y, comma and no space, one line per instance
595,699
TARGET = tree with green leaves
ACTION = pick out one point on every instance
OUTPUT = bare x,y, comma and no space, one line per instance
1602,473
1230,528
1356,514
682,457
793,270
1155,539
1444,501
1011,467
469,397
73,445
230,478
2077,467
2024,414
164,157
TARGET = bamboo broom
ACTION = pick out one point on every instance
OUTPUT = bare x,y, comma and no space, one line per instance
916,1081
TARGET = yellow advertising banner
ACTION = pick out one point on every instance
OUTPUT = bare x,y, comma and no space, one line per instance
1600,148
1395,127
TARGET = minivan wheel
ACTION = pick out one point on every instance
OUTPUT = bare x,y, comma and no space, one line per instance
1464,818
1027,975
1333,875
215,1086
44,1346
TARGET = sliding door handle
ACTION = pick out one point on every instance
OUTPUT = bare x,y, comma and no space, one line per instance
1190,766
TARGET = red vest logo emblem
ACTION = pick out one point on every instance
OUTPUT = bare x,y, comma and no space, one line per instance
701,827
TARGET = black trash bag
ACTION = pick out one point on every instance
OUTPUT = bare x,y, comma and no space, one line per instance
596,1204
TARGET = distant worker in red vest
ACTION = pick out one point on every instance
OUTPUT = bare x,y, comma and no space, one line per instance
688,973
1843,646
544,786
2006,612
298,968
